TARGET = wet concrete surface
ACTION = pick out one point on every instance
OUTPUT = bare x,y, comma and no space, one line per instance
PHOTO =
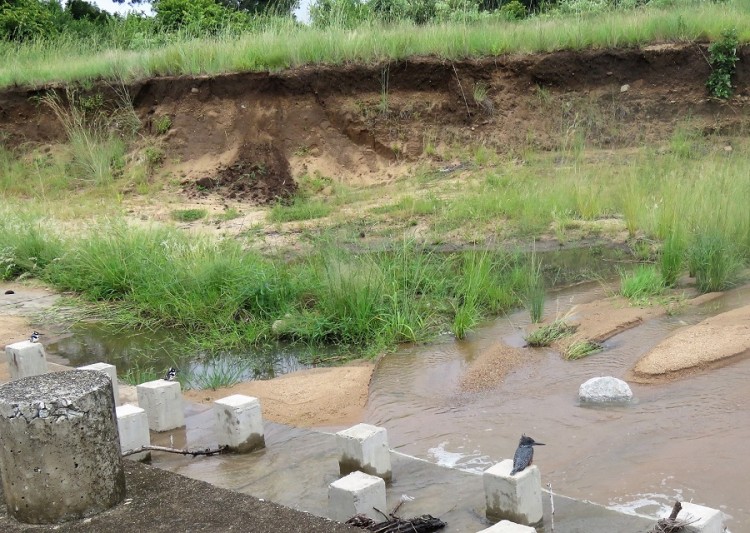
161,501
297,466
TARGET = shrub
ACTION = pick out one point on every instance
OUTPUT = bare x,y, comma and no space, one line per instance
513,10
722,57
22,20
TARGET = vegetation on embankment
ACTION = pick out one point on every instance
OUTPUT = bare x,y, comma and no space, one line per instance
136,49
227,296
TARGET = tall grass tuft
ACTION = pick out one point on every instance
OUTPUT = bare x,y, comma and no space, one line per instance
547,334
642,283
535,293
672,256
715,261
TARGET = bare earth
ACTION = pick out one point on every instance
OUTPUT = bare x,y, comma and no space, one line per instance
716,340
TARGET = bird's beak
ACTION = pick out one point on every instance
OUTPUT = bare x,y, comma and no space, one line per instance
539,444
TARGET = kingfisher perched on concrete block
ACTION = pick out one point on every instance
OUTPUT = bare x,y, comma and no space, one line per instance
35,336
171,374
524,453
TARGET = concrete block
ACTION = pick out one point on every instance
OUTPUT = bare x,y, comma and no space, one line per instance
517,498
504,526
26,359
238,423
354,494
708,520
364,448
162,401
111,371
132,423
59,447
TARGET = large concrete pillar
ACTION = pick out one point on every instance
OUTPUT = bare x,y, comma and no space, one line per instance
59,447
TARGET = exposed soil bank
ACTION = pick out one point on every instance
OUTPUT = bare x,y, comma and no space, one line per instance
332,120
715,341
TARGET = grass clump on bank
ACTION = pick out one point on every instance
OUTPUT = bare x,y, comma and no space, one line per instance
547,334
642,283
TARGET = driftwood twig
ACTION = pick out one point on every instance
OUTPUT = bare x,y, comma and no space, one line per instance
206,451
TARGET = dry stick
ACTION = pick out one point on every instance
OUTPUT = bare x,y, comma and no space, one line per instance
466,103
552,506
207,451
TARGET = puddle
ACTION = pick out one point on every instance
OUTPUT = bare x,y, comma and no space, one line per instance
91,343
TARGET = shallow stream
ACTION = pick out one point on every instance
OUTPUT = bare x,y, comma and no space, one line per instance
683,439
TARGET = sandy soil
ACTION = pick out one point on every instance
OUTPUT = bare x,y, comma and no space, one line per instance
716,340
308,398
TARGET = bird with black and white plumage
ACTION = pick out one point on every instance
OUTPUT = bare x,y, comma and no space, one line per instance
524,454
35,336
171,374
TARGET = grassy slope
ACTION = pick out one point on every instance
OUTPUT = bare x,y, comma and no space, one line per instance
286,44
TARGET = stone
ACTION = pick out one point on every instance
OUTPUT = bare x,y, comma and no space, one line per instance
162,401
505,526
605,389
356,493
517,498
26,359
708,520
132,424
111,371
364,448
59,447
238,423
625,88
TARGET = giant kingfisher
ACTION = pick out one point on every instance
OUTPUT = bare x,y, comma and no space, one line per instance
524,454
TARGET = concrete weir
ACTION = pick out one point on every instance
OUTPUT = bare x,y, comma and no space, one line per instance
59,447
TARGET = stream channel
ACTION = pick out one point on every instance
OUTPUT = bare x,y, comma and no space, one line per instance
680,439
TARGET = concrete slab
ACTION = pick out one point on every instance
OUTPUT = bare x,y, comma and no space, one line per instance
297,466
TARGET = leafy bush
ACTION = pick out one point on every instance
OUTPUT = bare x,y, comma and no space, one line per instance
22,20
195,15
339,13
513,10
722,57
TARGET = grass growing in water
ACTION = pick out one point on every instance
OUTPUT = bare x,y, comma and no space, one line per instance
546,335
535,294
580,349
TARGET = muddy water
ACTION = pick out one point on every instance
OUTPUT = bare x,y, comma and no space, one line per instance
684,439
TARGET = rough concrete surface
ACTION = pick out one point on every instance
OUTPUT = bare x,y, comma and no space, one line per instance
157,500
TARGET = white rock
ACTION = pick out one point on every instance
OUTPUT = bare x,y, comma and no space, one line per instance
605,389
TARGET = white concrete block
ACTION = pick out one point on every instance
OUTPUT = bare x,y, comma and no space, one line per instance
354,494
504,526
517,498
364,448
111,371
708,520
26,359
238,423
132,424
162,401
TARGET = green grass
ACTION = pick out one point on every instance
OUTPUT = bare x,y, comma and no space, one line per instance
641,283
299,209
580,349
281,44
219,372
549,333
715,261
188,215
